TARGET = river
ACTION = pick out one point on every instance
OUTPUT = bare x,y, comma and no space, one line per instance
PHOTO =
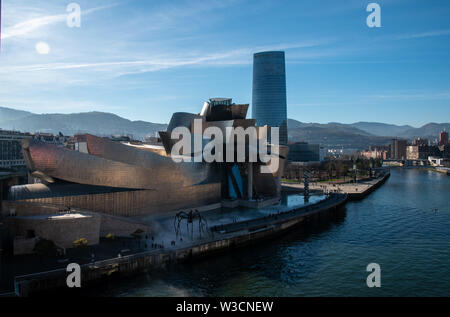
404,226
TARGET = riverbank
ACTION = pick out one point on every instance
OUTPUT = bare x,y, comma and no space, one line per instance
442,170
402,226
226,234
355,191
436,169
223,237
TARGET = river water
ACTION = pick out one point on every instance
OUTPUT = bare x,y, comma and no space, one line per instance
404,226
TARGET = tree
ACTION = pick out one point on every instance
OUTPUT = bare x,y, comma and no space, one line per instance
80,243
110,236
331,168
45,247
343,170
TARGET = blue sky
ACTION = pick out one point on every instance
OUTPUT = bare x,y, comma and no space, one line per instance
144,60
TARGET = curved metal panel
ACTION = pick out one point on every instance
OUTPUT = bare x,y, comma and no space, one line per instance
240,111
158,149
39,191
182,119
128,170
188,173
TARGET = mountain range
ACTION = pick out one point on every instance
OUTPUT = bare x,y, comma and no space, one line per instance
97,123
357,135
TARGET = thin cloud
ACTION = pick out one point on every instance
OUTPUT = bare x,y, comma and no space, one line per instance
424,34
31,25
414,96
28,26
120,68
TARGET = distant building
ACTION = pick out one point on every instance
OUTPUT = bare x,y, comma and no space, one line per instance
11,148
398,149
412,152
375,153
304,152
416,152
445,151
436,150
322,153
269,106
59,139
443,138
438,161
420,142
379,148
339,152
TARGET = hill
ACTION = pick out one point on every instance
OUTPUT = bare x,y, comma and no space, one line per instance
333,135
98,123
430,131
357,135
382,129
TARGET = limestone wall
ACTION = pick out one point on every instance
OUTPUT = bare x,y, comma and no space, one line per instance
121,227
63,232
24,208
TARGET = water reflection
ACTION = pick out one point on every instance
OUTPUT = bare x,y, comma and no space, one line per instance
249,271
396,226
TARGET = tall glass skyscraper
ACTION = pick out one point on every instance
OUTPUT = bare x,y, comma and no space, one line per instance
269,91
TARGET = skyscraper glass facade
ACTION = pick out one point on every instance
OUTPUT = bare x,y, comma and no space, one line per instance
269,104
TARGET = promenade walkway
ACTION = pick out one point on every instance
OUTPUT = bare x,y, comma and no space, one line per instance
350,188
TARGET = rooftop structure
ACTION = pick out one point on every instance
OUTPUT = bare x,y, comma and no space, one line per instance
220,101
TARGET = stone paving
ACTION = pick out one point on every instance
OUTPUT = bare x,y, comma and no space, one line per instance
330,187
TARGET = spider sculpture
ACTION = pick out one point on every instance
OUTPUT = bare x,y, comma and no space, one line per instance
190,217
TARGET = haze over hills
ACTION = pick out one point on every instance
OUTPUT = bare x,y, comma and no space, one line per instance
333,135
430,130
357,135
382,129
97,123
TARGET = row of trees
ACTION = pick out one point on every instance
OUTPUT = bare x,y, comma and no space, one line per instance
333,169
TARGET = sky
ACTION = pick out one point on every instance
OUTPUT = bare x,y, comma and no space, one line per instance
145,59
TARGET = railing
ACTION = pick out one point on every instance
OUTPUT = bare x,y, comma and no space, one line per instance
330,201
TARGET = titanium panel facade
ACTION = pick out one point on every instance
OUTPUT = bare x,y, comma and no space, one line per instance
125,180
131,168
127,203
269,105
